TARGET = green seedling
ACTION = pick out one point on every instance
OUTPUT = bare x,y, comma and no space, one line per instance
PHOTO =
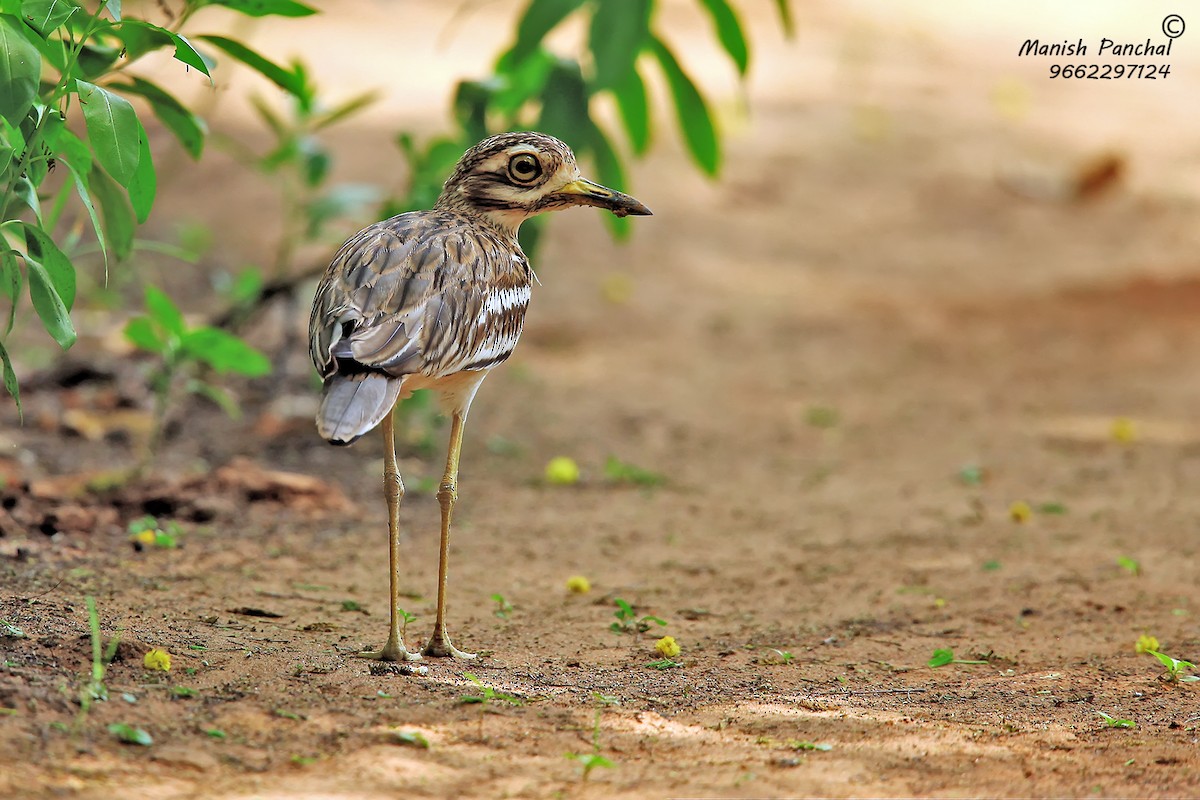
618,471
822,417
128,734
1113,722
971,475
487,696
1052,508
797,744
503,607
1176,668
147,532
589,761
991,566
664,663
944,656
351,605
183,349
628,621
1130,565
216,733
776,656
184,691
10,631
412,738
292,715
94,689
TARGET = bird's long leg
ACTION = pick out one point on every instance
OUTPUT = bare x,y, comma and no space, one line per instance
393,490
439,643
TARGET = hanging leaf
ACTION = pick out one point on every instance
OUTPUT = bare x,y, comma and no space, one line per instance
729,32
119,224
631,99
284,79
59,269
618,33
694,118
610,173
144,185
565,104
10,283
785,17
540,17
48,305
10,379
187,127
79,162
113,130
20,70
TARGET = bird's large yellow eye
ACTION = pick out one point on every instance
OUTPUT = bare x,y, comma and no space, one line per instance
524,167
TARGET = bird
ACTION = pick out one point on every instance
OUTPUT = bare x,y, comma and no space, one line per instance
436,299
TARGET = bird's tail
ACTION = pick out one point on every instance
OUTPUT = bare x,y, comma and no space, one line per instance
352,405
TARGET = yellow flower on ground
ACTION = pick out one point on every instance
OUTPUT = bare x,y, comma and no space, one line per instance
1124,430
1020,511
562,471
578,584
157,659
668,647
1145,644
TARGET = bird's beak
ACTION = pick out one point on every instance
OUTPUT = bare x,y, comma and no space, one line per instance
581,191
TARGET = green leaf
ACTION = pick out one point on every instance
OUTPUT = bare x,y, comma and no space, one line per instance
10,283
264,8
186,52
219,397
785,17
23,190
729,32
10,378
49,305
113,130
142,333
941,657
618,33
20,70
187,127
288,81
59,268
630,94
127,733
163,310
694,117
346,109
46,15
145,182
540,17
119,222
79,162
565,103
225,352
610,173
114,9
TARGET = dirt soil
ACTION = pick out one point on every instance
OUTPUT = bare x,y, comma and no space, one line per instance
932,285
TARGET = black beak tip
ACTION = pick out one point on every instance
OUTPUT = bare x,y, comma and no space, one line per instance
638,210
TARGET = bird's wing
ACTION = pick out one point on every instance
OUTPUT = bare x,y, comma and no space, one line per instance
420,293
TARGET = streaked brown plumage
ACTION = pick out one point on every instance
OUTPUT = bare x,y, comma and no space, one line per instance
435,300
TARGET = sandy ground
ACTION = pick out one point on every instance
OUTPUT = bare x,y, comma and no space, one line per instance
912,301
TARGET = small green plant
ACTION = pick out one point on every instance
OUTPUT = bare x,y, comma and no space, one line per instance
664,663
629,622
1113,722
971,475
487,697
797,744
619,471
216,733
776,656
944,656
184,691
1176,668
95,690
503,607
589,762
822,417
1130,565
128,734
351,605
148,532
10,630
1052,507
184,349
412,738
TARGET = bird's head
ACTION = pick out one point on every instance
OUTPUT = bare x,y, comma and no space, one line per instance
511,177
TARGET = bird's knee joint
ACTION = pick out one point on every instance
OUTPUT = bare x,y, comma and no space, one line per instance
447,492
392,484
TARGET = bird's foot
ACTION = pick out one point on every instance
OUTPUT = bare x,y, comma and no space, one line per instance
440,647
394,650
